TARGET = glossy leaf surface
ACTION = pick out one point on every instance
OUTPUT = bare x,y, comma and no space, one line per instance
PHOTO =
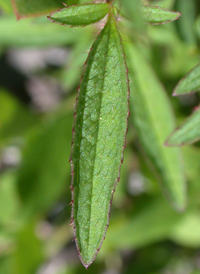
100,128
190,83
152,115
188,133
80,15
157,15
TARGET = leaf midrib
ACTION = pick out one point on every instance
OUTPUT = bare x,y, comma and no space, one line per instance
80,134
82,14
107,47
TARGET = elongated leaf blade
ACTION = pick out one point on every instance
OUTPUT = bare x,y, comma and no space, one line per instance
190,83
188,133
153,118
99,137
80,15
156,15
26,8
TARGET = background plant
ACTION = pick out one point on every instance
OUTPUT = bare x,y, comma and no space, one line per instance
30,195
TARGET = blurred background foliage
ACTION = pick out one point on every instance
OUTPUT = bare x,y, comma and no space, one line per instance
40,68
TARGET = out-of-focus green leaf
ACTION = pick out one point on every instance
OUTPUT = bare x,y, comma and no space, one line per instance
190,83
8,107
80,15
192,171
15,118
167,4
6,5
25,8
197,26
157,15
28,253
188,133
100,128
186,231
37,32
43,174
132,11
152,115
9,202
187,20
151,224
172,65
69,75
192,162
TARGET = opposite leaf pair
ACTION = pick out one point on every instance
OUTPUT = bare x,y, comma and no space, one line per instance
83,15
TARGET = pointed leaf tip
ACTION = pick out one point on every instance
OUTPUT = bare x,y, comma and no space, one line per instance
157,15
187,133
190,83
80,15
99,139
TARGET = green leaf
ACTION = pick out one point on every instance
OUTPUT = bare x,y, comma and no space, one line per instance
6,6
9,204
197,26
157,15
186,231
76,58
99,136
154,120
188,133
25,8
38,32
132,11
44,170
132,233
80,15
16,118
190,83
26,243
187,20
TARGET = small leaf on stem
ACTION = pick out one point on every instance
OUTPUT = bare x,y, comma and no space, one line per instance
157,15
80,15
190,83
188,133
